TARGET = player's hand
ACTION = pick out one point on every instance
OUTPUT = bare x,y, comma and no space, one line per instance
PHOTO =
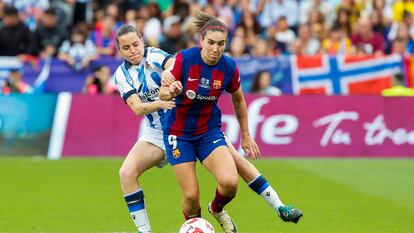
167,78
250,147
175,88
167,104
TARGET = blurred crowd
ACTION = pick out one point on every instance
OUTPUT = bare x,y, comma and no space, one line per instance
79,31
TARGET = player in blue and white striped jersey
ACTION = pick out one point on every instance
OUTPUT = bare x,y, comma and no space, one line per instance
138,80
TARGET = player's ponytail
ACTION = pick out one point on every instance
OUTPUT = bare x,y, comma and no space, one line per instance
205,23
125,29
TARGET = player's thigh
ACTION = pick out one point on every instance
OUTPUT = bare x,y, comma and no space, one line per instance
143,156
187,178
221,164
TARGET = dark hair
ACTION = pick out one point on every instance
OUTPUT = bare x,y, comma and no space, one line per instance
256,80
125,29
204,23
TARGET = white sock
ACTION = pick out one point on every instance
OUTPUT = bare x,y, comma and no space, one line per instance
271,197
141,220
136,206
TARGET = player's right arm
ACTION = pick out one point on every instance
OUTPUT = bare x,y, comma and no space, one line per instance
140,108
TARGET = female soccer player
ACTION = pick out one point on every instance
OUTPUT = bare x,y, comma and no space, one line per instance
192,129
138,82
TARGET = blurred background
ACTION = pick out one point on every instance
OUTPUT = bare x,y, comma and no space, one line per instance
330,79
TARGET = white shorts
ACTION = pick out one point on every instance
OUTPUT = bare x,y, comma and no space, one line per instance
155,137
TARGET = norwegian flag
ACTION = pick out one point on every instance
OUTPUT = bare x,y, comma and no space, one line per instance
343,75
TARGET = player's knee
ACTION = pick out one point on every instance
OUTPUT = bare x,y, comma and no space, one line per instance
191,196
126,173
229,184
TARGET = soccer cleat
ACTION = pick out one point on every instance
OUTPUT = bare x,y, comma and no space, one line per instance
289,214
225,221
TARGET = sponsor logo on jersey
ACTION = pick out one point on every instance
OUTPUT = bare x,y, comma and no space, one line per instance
191,94
209,97
192,79
205,83
150,94
217,84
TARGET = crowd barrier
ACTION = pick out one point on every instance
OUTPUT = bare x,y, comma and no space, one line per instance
298,126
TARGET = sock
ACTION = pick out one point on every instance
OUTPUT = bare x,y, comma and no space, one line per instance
263,188
198,215
219,202
136,206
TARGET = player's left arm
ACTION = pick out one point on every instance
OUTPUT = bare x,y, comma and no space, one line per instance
239,104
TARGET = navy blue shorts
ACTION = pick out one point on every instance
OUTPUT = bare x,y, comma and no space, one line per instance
184,149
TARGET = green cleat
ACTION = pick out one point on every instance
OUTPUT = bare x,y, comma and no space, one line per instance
289,214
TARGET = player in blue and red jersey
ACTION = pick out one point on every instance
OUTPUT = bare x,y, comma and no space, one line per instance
192,130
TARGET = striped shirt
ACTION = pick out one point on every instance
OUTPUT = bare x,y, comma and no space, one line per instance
145,80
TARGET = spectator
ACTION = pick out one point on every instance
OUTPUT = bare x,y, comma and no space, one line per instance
317,24
15,36
344,21
378,23
15,84
152,30
383,6
322,6
104,37
77,51
408,22
99,82
173,39
400,7
48,35
262,84
402,46
305,44
251,27
337,43
65,10
365,37
238,47
283,33
269,11
354,8
30,10
113,10
398,88
262,48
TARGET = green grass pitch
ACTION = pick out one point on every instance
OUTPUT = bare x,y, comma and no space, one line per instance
83,195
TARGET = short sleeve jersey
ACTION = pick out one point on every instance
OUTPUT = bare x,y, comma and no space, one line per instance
196,109
145,80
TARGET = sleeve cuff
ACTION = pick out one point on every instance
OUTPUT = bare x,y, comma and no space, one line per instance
165,61
128,94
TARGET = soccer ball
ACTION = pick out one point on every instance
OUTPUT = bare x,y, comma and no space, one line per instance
197,225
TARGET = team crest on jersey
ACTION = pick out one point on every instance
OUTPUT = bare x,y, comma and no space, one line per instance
217,84
204,83
176,153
